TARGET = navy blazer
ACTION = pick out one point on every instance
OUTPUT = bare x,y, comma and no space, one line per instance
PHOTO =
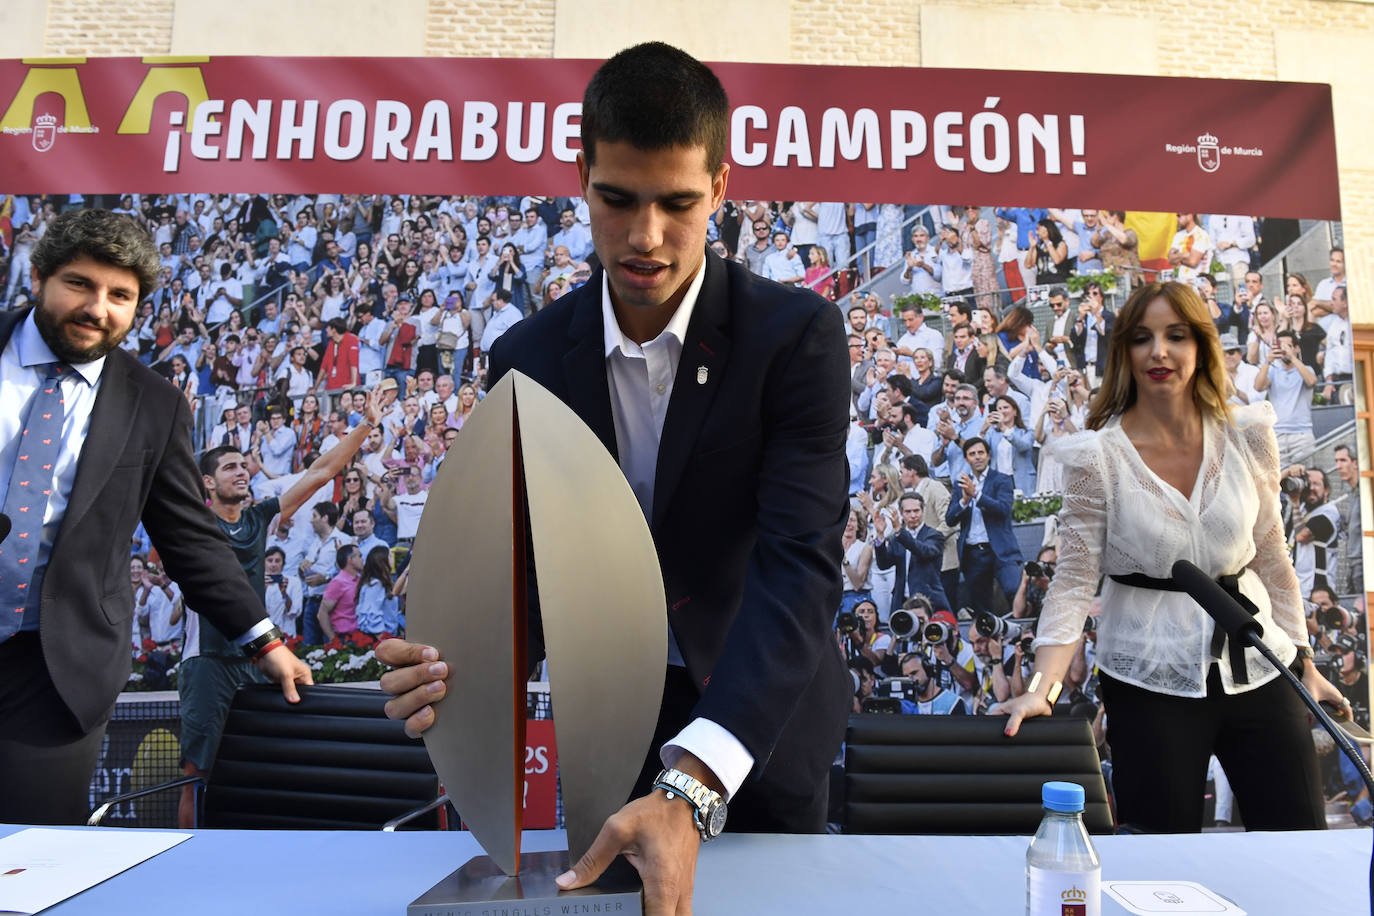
136,463
996,504
928,547
750,501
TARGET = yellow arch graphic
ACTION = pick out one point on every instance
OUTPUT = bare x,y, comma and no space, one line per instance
188,81
62,80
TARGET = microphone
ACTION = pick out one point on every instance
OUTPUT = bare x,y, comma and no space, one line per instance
4,527
1239,625
1221,607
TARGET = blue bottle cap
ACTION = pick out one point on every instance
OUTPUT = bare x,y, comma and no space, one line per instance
1062,796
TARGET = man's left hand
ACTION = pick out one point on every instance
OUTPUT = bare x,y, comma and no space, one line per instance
659,837
282,666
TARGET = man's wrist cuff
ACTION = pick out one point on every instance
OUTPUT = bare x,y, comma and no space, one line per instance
259,644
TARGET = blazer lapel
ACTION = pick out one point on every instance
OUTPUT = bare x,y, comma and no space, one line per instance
584,367
111,420
699,371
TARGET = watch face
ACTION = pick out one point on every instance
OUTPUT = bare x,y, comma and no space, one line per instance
715,819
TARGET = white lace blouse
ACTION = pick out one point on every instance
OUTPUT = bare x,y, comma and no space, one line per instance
1118,517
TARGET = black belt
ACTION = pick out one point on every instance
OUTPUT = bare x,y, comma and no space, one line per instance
1229,584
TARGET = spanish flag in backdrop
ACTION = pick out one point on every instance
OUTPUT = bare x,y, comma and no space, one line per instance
1153,232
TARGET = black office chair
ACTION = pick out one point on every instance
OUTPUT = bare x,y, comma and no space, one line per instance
332,761
960,775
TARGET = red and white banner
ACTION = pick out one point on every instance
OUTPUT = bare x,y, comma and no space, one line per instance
352,125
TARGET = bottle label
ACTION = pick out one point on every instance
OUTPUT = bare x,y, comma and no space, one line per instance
1063,893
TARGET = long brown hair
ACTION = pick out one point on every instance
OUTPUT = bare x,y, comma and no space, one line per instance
1210,382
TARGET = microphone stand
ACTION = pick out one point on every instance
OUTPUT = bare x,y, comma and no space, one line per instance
1239,625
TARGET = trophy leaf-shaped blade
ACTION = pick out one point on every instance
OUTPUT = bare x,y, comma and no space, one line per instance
462,598
601,599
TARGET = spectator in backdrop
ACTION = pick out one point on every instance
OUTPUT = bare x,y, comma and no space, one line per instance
1092,330
931,698
832,228
981,507
339,368
1190,251
1288,384
1241,373
1351,576
1314,535
1323,296
1118,246
917,334
916,549
338,613
282,591
1338,364
784,263
922,267
317,566
1233,236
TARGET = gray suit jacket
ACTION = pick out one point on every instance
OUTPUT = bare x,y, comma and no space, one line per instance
136,463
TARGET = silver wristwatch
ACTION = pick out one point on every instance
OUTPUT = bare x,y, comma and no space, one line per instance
708,808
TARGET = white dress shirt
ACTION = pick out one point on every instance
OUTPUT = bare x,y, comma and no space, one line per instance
640,377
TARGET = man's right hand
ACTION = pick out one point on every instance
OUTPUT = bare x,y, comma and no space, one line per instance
415,683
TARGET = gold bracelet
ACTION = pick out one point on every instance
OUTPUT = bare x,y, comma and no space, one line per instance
1054,690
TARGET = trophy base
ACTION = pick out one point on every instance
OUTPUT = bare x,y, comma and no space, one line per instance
479,888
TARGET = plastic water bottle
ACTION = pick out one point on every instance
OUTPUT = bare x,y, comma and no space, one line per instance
1063,872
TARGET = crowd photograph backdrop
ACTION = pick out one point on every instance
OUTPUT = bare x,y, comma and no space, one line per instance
251,149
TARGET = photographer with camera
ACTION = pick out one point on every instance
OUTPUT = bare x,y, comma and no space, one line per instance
1313,541
856,633
930,697
946,647
1035,582
1327,620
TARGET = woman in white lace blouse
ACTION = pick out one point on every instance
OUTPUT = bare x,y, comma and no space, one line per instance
1167,471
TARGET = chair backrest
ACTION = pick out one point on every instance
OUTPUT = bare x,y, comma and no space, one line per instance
333,761
961,775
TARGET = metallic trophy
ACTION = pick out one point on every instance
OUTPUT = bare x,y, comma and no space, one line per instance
527,474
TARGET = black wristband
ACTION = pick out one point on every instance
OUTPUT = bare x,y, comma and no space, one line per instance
254,646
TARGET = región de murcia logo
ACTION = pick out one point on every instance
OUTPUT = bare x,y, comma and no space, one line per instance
44,132
1210,151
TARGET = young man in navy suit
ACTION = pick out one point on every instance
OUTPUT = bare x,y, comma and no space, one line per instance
725,399
981,506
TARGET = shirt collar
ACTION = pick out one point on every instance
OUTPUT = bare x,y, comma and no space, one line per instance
34,352
615,339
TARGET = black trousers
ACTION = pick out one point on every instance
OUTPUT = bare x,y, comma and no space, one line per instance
1161,745
760,805
46,758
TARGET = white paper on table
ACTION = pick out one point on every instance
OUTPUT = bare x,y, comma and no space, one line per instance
40,867
1185,898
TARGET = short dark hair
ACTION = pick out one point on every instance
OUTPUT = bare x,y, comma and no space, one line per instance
971,441
912,494
654,96
327,511
343,553
916,463
1059,292
901,383
110,238
209,462
274,549
338,326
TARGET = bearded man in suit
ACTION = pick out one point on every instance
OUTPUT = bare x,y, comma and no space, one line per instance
92,442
